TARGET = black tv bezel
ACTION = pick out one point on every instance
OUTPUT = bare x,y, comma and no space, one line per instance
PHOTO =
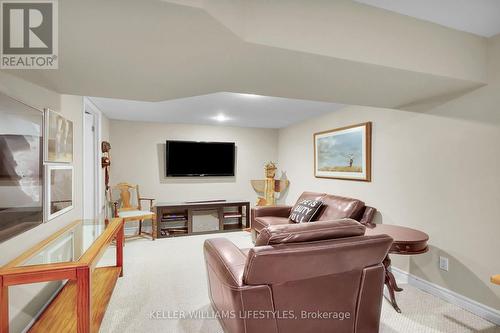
167,174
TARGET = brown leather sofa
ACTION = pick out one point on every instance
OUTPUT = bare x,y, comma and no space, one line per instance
325,276
334,207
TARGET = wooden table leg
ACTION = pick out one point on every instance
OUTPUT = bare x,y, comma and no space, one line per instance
247,215
220,212
240,219
83,299
190,220
119,249
390,282
154,227
4,307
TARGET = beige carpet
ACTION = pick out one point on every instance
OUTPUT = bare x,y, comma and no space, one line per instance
168,275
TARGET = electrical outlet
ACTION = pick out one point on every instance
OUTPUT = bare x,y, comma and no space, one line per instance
443,263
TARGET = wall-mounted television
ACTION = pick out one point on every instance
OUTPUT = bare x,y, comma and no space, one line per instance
200,159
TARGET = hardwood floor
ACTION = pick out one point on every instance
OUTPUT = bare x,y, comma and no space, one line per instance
60,315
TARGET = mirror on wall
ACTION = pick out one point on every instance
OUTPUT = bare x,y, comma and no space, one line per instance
21,167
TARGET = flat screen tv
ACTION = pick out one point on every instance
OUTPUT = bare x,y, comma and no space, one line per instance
200,159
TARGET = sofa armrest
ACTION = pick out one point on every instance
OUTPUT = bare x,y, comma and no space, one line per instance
368,216
226,260
280,211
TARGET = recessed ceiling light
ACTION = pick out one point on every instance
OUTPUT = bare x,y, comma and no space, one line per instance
220,117
251,96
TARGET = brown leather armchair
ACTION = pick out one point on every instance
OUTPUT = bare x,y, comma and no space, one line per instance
334,207
310,277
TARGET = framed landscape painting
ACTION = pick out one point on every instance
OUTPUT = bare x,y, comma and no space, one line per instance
59,138
344,153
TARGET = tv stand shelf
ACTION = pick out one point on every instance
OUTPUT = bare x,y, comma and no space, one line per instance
176,218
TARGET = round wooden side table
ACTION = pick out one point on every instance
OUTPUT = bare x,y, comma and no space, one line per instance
407,241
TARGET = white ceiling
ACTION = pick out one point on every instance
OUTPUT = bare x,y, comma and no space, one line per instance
339,51
242,110
480,17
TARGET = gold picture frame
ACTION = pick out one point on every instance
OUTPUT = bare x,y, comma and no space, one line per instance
344,153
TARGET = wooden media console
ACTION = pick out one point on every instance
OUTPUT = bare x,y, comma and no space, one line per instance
176,218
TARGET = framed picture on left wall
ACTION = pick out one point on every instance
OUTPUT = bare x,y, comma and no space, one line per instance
59,190
58,138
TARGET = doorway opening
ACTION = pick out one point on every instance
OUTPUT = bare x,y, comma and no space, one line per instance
91,169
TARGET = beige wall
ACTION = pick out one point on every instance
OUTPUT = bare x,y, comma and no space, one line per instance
25,301
104,128
138,155
435,170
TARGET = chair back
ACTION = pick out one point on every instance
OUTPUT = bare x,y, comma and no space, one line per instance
337,275
127,196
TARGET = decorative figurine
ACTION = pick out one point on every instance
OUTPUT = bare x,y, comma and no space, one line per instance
105,164
269,187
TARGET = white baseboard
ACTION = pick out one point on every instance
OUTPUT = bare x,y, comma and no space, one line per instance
449,296
400,275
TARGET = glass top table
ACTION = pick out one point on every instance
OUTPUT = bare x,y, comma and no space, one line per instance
70,254
69,245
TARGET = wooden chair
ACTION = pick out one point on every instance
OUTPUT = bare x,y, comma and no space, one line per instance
126,202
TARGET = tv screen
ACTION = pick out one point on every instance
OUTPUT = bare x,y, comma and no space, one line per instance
198,159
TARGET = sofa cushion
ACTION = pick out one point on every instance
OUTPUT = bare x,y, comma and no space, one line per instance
309,196
308,232
335,207
305,210
262,222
